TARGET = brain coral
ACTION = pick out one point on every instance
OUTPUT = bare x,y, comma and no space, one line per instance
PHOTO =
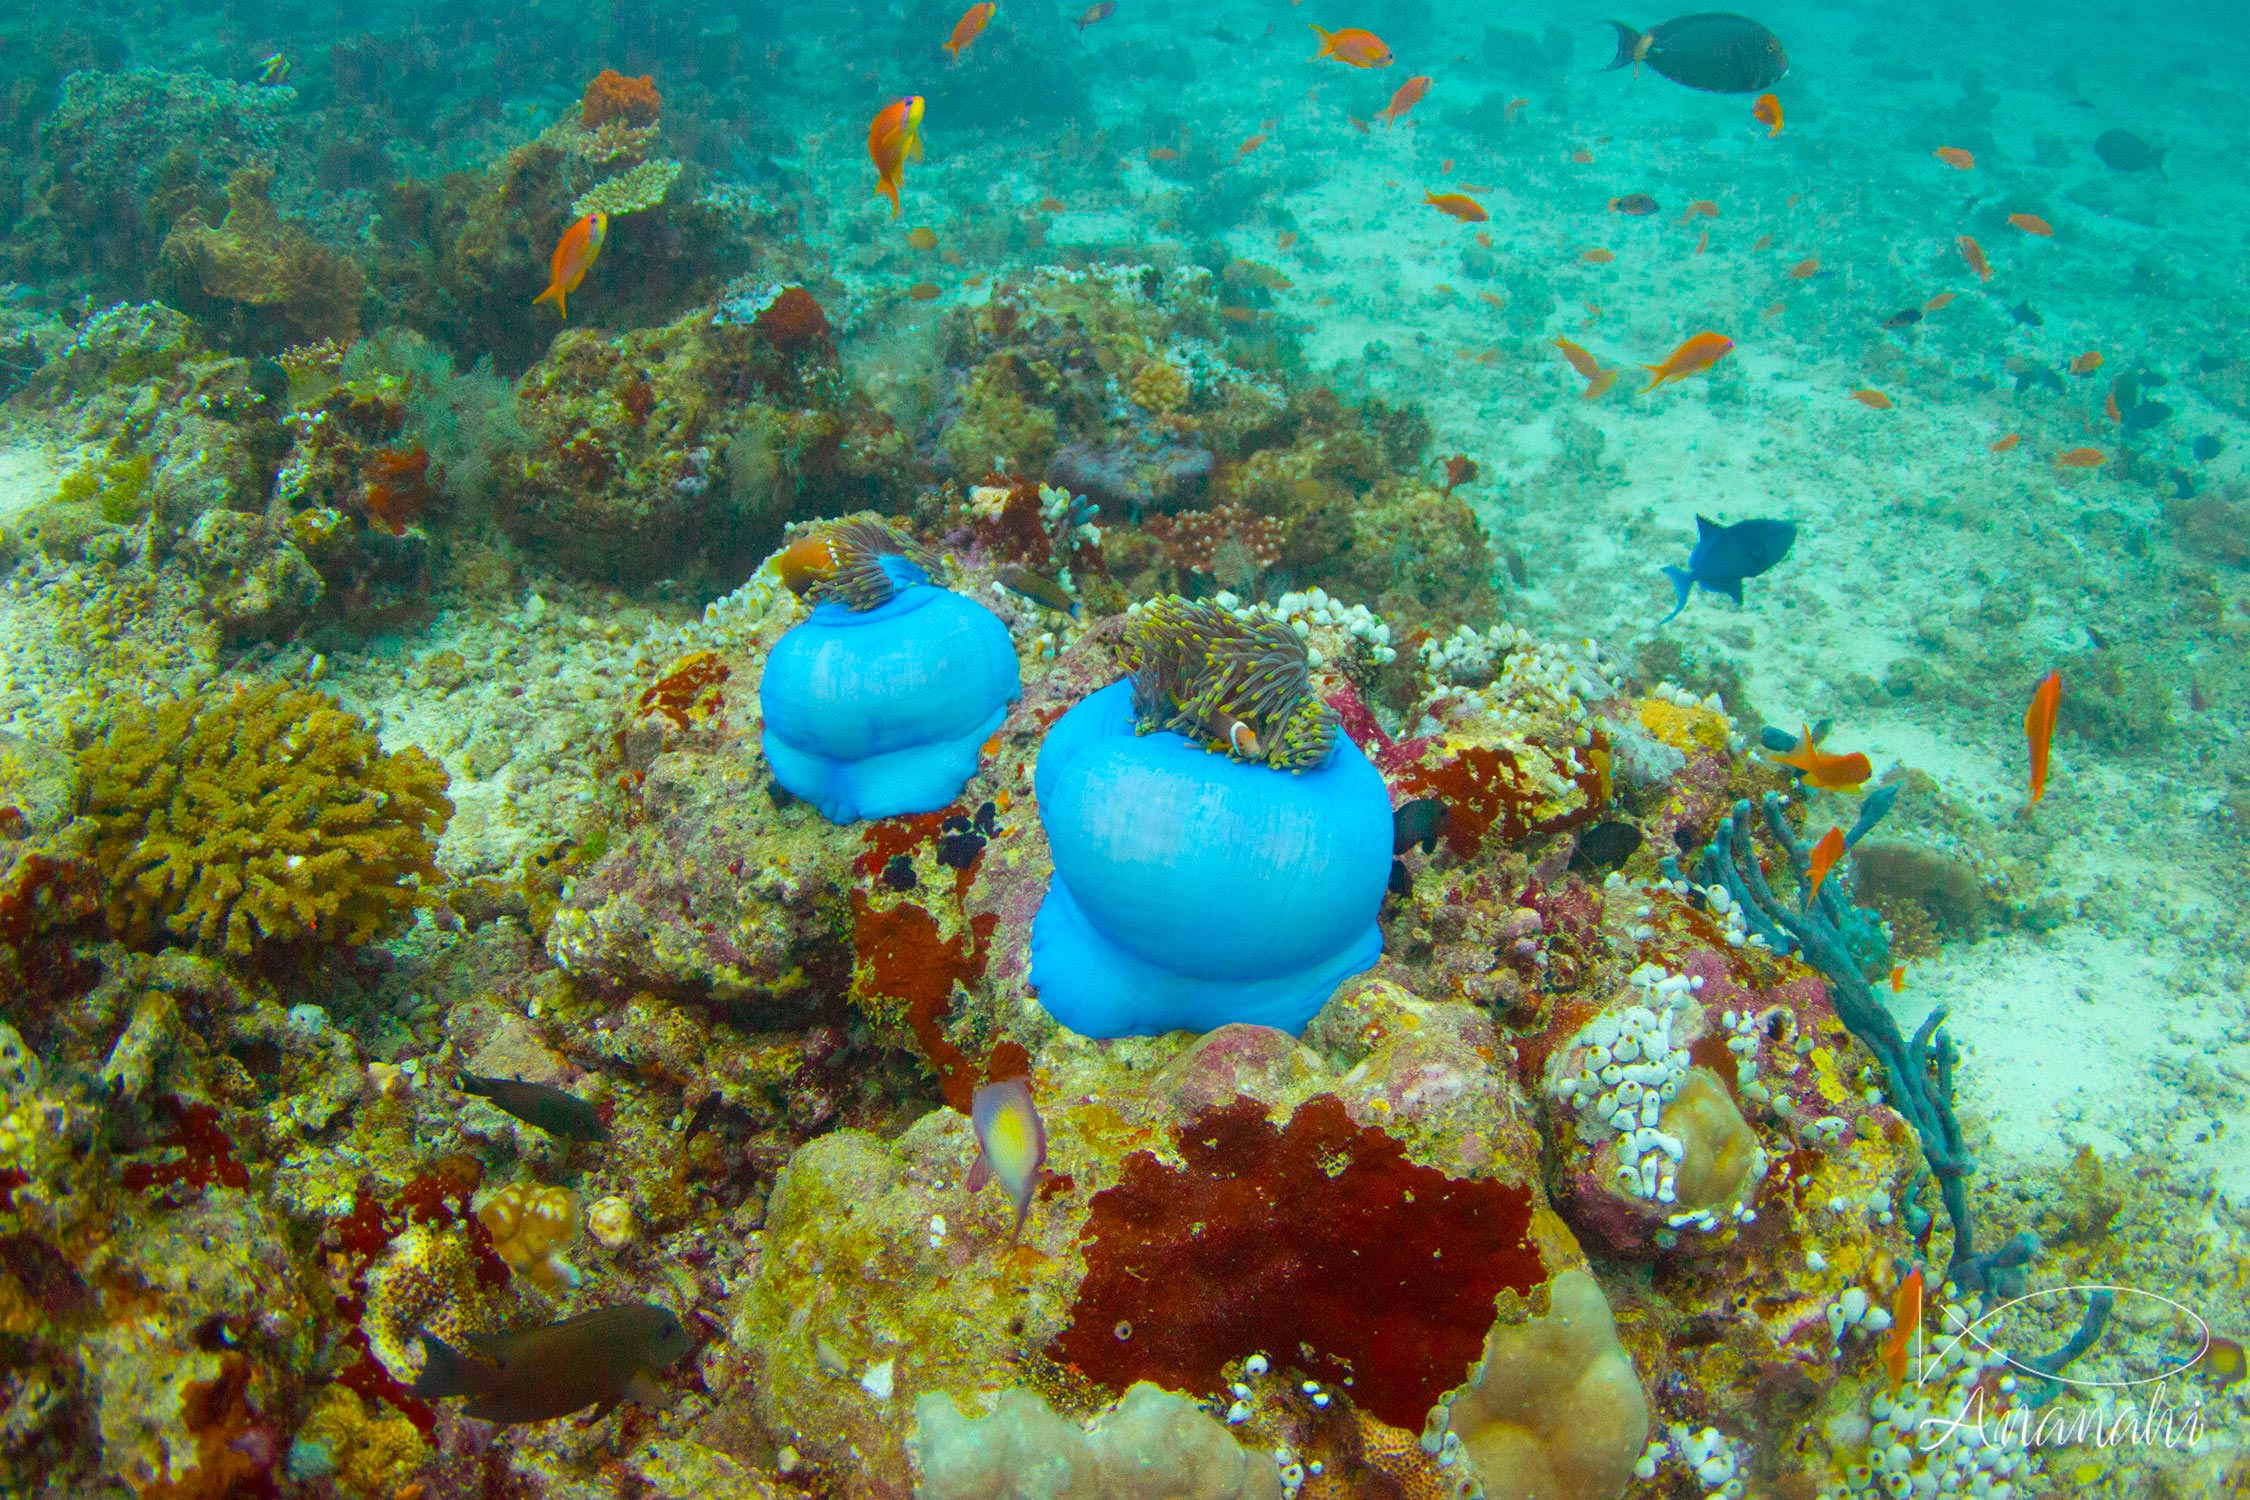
262,815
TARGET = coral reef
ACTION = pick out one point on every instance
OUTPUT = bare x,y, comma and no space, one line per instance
1152,1444
261,281
239,820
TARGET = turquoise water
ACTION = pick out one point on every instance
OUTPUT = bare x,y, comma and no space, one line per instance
466,1029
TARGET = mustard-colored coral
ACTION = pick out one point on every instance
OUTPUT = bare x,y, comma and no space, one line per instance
232,820
371,1451
531,1226
1160,388
256,258
1688,727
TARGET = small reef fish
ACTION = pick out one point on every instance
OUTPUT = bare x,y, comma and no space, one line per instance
1824,856
2039,730
2081,458
1598,378
274,68
1956,158
1700,208
1874,399
2220,1363
1724,556
969,28
1409,94
1421,821
1011,1144
1249,145
1767,112
1037,589
1712,51
596,1359
1906,1322
1941,300
1596,257
2032,224
1831,773
1804,270
574,257
1635,204
924,291
1457,205
922,237
2026,315
1905,317
2087,363
1973,253
894,137
1353,45
1460,469
1093,13
1698,354
1898,979
2005,442
557,1111
2123,151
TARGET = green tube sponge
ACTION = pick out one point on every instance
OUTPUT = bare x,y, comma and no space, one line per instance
1553,1411
1152,1445
236,820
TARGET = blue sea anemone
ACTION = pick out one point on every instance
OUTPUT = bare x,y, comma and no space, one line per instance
1220,853
877,705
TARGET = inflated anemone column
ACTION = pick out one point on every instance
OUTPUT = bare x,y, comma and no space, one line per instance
1220,852
877,705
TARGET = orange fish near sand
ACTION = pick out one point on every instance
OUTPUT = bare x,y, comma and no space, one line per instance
1599,378
1691,358
1360,48
2007,441
1973,253
2039,729
1409,94
969,28
2032,224
1955,157
893,137
1457,205
2087,363
1596,257
1942,299
1804,270
1831,773
1250,145
1700,208
2081,458
1767,112
1874,399
574,257
1824,856
1906,1323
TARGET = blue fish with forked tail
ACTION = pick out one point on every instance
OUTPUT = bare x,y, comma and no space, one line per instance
1725,555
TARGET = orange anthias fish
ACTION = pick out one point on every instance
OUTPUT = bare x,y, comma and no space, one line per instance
2033,224
1767,112
893,137
1353,45
1457,205
1906,1323
1249,145
1011,1144
2039,729
1875,399
1831,773
2087,363
1973,253
2007,441
1701,207
1824,856
1804,270
1942,299
574,257
1409,94
969,28
1698,354
1598,377
1955,157
2082,458
1596,257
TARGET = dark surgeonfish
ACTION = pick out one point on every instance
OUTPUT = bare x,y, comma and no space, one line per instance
2124,151
596,1359
556,1111
1725,555
1712,50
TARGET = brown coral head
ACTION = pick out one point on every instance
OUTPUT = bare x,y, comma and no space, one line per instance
858,564
1316,1242
793,322
613,96
1239,684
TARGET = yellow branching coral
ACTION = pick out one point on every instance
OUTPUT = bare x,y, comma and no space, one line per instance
264,815
531,1226
629,191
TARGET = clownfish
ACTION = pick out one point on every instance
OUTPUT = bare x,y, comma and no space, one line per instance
574,257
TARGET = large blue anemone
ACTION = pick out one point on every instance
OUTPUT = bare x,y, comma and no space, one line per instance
877,705
1220,852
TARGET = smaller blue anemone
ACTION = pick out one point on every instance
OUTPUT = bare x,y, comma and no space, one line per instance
878,704
1220,853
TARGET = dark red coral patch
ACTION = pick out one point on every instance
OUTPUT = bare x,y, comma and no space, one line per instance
1318,1243
1487,791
